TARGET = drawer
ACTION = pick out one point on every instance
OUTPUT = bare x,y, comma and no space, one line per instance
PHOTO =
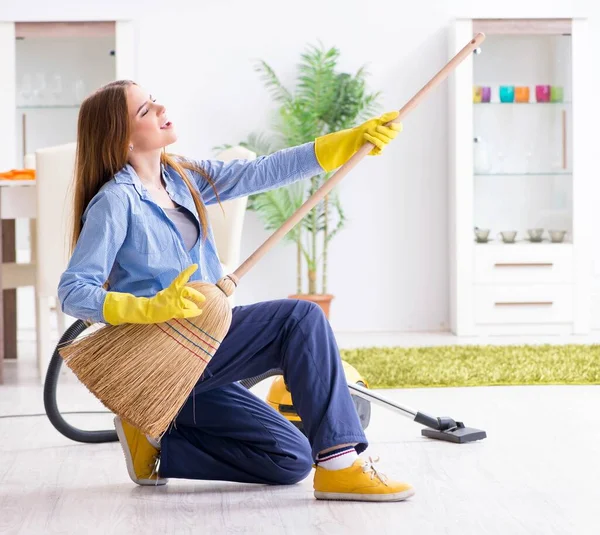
524,264
502,304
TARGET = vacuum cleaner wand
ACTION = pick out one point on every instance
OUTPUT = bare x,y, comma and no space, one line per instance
443,428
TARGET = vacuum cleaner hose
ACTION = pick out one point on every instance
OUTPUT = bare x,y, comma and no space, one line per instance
250,382
50,405
50,385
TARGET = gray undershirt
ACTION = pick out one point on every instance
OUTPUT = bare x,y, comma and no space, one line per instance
185,223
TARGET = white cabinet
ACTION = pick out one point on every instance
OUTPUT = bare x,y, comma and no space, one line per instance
520,161
541,264
504,305
48,69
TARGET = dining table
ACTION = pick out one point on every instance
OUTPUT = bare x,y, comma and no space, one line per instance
18,200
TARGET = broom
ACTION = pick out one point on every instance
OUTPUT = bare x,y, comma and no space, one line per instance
145,373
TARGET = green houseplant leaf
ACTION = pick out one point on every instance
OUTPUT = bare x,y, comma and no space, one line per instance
323,100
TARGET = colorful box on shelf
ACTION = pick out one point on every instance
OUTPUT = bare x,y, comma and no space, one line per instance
511,93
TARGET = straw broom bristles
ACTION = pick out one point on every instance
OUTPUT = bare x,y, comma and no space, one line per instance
144,373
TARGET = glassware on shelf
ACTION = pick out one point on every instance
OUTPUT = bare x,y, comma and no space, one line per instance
557,236
482,93
508,236
542,93
39,88
556,93
499,167
56,87
522,94
481,158
26,90
79,91
507,93
482,235
535,234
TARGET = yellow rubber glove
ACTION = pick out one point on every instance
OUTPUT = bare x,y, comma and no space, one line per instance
335,149
172,302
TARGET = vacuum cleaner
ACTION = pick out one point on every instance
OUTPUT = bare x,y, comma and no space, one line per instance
278,397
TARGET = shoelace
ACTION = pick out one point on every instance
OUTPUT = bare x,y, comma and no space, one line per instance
155,461
368,467
154,467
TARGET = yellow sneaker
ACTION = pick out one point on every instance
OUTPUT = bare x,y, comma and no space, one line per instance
141,457
361,482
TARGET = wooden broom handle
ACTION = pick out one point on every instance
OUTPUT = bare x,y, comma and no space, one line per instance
316,197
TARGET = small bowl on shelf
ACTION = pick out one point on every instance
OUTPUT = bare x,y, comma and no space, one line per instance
508,236
557,236
535,234
481,235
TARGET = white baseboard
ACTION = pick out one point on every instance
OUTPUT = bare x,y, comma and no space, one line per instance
358,340
352,340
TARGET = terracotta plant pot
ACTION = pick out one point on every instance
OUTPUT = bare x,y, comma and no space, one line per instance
323,300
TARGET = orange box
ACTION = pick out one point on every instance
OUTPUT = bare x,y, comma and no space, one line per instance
522,94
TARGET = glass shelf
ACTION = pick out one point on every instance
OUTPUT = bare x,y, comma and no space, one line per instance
548,173
483,104
49,107
520,242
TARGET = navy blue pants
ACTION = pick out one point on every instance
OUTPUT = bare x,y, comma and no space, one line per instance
224,432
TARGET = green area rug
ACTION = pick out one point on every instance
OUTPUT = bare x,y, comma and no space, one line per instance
415,367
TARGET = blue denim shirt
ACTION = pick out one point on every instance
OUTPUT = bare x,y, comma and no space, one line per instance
129,240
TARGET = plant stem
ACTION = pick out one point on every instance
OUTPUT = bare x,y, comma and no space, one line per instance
312,274
312,281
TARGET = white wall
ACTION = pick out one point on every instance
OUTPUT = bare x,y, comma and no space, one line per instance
395,204
389,268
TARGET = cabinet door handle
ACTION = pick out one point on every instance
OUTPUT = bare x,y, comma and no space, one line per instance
523,264
523,303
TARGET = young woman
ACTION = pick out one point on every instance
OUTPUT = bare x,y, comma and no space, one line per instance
141,233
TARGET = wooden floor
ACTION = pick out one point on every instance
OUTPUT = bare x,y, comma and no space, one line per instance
538,472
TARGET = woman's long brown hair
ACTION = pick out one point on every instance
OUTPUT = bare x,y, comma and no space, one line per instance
102,146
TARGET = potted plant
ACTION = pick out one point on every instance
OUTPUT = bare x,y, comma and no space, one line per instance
322,101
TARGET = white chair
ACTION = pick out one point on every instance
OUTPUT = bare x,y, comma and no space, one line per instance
227,227
54,173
